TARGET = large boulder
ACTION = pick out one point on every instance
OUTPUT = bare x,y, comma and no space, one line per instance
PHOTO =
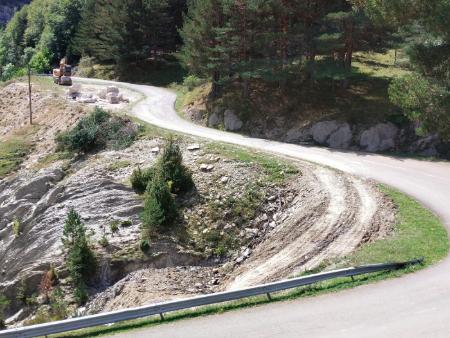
381,137
73,90
341,138
231,121
214,119
112,97
297,134
112,89
195,114
322,131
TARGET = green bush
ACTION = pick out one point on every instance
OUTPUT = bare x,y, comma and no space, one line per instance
144,245
192,81
97,131
423,102
3,304
86,67
40,62
140,179
17,227
171,165
80,260
159,209
10,71
114,226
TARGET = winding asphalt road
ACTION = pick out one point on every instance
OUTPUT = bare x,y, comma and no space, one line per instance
417,305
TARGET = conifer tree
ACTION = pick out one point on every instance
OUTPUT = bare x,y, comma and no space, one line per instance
80,260
159,209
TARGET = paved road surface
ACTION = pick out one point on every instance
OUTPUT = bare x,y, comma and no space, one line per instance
416,305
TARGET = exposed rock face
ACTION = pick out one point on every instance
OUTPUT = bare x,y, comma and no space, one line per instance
214,120
381,137
333,134
232,121
321,131
341,138
40,202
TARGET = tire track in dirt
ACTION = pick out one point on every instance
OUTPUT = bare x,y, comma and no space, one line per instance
330,218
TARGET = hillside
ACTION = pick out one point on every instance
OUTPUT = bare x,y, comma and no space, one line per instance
247,213
7,9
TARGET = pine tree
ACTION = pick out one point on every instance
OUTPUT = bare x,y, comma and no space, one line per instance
80,260
201,51
174,172
159,209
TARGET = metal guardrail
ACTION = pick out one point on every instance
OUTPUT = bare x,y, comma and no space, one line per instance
159,309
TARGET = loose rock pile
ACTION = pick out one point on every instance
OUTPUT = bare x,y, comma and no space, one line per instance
109,95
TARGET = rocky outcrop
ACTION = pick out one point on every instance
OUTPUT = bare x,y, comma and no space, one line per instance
381,137
333,134
341,138
39,204
322,131
231,121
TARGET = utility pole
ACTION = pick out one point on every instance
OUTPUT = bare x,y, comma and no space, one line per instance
29,94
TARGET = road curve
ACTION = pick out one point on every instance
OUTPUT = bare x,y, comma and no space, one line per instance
416,305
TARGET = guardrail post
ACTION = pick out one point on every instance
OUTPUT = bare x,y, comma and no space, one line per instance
161,316
269,296
353,278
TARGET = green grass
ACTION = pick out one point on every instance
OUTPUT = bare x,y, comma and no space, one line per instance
417,233
276,169
12,154
381,65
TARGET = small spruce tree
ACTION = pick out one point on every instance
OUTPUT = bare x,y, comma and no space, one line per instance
175,173
80,260
159,210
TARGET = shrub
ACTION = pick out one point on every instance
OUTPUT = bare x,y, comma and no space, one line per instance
86,67
126,223
192,81
140,179
423,102
171,164
3,304
57,309
96,131
16,227
48,281
114,226
80,260
40,62
104,241
159,208
144,245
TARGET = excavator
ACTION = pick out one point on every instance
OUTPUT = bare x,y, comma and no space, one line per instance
62,75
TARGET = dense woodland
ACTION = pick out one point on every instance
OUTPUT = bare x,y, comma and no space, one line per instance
283,43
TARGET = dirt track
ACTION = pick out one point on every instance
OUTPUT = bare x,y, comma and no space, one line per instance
333,215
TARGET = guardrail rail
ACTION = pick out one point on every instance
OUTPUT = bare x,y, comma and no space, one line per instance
161,308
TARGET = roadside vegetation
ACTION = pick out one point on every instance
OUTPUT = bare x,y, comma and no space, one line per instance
12,153
417,233
80,260
166,177
97,131
3,303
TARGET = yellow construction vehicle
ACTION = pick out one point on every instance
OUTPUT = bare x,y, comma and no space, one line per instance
62,75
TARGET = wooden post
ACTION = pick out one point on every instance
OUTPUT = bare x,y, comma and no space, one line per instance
29,94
